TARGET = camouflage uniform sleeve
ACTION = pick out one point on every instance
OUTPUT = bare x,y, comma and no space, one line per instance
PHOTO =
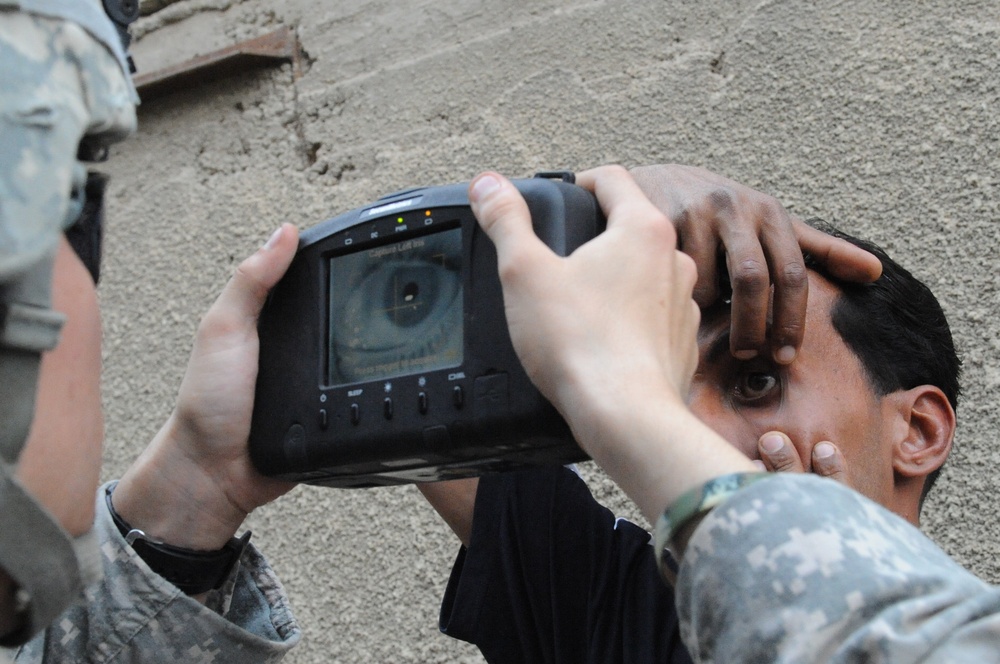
134,615
800,568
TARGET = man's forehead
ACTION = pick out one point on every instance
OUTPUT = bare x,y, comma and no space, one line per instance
716,320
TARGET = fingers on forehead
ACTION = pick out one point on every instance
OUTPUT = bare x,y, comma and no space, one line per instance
841,258
704,251
791,294
751,295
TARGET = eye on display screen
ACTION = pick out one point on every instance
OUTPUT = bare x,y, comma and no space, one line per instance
396,309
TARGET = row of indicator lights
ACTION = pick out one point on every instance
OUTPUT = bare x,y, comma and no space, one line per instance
400,220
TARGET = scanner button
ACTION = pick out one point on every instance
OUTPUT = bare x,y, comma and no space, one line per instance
436,438
295,444
491,395
491,409
387,408
458,396
422,402
355,414
324,421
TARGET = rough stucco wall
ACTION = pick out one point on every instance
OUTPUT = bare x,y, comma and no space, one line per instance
881,118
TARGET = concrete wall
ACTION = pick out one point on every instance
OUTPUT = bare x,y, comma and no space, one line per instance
879,117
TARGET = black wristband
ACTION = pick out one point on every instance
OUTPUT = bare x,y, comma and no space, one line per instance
192,571
684,515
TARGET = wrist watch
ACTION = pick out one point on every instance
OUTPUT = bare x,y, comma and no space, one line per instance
192,571
680,519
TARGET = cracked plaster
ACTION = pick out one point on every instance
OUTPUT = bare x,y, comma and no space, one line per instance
878,118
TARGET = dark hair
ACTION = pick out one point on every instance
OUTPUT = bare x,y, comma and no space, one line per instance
896,328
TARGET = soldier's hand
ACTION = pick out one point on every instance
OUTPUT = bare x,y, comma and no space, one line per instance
195,484
616,312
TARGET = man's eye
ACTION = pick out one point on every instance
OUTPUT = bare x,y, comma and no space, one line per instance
755,385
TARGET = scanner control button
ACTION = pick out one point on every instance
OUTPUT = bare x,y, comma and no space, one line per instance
422,403
387,408
437,439
491,408
491,395
295,444
458,396
355,414
324,420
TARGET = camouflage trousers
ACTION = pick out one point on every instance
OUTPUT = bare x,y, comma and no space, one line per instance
57,85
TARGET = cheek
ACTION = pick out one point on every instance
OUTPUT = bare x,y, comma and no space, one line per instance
742,428
62,456
806,425
734,427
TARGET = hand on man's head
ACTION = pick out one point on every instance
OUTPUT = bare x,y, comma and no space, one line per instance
762,245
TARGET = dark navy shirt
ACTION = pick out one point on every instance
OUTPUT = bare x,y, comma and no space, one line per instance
551,576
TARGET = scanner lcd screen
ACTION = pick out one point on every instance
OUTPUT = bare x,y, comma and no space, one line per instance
396,309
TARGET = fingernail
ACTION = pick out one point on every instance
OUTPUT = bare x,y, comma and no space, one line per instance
744,354
271,241
823,451
772,443
483,187
785,355
760,465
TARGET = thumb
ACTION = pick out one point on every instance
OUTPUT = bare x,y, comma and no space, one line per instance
247,290
841,258
827,461
504,216
778,453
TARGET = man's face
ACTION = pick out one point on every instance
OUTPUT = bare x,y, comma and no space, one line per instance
61,461
823,395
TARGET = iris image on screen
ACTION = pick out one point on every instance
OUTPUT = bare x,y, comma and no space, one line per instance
396,309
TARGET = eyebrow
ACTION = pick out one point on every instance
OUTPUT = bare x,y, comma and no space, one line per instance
719,348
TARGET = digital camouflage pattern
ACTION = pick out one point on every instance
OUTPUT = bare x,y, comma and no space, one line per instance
134,615
802,569
58,84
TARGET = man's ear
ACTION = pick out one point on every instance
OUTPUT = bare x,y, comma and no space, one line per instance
930,427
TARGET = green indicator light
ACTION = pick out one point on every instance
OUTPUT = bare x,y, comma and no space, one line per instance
399,220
